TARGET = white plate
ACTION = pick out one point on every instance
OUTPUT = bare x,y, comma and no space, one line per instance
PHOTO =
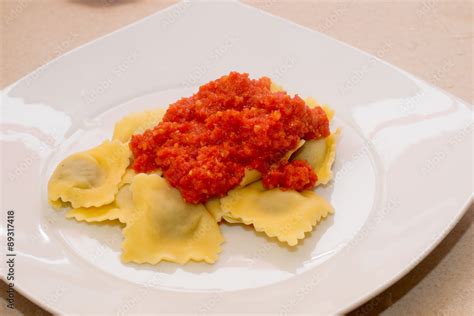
403,171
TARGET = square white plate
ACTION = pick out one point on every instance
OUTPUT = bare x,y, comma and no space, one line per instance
403,171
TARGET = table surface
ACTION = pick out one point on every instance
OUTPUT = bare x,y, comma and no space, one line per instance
425,34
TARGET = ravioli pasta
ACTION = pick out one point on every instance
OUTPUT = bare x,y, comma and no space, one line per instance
164,227
320,154
251,175
286,215
58,204
127,177
214,207
120,209
136,123
90,178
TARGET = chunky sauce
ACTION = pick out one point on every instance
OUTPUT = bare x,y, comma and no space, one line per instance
205,142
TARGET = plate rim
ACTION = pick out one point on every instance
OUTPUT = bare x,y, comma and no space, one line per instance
368,296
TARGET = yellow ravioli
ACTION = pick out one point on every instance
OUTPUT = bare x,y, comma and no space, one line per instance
291,152
164,227
127,177
286,215
136,123
320,154
230,219
90,178
58,204
95,214
251,175
214,207
119,209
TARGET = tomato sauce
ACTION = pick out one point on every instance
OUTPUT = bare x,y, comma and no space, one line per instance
205,142
297,175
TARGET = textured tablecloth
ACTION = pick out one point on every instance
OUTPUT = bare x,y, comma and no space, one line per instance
433,40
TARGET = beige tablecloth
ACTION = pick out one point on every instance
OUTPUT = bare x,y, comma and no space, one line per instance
425,35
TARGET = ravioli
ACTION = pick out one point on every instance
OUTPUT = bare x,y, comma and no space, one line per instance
231,219
136,123
120,209
164,227
291,152
286,215
127,177
90,178
251,175
320,154
58,204
214,207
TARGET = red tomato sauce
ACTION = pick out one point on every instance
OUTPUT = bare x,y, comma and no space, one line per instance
297,175
205,142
